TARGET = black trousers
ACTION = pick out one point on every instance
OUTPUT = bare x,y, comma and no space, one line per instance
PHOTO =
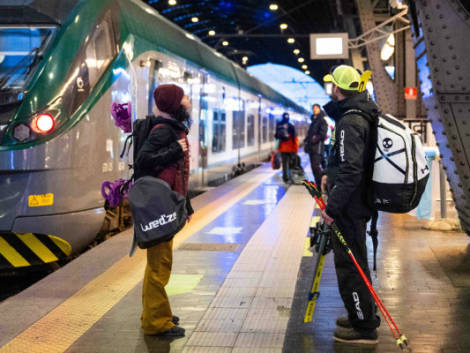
286,161
354,292
315,163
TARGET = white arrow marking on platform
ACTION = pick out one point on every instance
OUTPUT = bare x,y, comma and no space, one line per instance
225,230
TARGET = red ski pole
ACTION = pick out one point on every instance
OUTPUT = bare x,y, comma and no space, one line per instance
401,340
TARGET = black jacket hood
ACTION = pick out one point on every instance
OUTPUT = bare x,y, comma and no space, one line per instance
174,123
362,102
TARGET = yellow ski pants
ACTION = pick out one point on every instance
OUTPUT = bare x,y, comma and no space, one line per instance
156,314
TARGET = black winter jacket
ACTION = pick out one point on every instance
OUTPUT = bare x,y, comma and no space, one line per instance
314,141
351,161
161,150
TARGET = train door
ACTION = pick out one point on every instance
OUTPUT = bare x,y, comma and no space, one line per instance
259,126
154,67
203,125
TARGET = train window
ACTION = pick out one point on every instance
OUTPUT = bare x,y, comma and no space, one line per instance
91,62
272,127
265,129
99,52
218,132
238,140
250,126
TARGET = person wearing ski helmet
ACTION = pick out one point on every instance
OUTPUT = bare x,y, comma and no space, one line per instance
348,178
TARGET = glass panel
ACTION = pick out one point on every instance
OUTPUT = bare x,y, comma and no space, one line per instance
241,124
218,138
251,129
153,83
222,132
272,126
99,52
90,64
265,129
21,49
235,130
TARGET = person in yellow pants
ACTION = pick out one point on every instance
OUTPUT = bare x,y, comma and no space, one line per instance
165,155
156,315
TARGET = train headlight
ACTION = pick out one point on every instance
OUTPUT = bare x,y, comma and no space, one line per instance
21,132
43,123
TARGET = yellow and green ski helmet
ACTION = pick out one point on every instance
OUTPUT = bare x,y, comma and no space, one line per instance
345,77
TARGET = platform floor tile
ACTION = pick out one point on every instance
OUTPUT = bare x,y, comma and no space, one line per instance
212,339
255,341
207,350
258,350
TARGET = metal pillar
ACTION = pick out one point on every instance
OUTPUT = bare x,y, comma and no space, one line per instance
385,87
410,74
440,31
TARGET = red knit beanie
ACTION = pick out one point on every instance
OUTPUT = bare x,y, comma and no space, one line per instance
168,97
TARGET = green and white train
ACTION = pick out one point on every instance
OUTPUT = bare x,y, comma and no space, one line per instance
62,64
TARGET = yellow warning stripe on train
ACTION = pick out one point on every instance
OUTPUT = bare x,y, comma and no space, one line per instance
41,200
32,242
43,248
11,255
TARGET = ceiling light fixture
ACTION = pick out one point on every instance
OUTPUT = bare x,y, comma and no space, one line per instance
225,43
300,60
304,67
283,26
296,51
194,19
273,7
307,72
290,40
172,2
211,32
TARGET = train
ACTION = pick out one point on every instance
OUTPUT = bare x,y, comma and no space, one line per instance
63,63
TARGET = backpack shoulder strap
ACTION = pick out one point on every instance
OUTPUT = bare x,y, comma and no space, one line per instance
156,126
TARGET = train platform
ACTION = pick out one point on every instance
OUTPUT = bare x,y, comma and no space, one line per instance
240,278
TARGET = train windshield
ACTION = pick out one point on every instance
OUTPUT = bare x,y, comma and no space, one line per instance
21,49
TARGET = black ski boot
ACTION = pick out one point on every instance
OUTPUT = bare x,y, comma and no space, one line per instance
351,335
343,322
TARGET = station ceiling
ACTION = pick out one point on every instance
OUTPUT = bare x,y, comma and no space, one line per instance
253,30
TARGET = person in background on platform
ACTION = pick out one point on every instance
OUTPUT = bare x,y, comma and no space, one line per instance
349,176
329,140
314,141
165,155
288,144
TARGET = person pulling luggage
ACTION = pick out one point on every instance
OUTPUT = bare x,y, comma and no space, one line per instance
288,144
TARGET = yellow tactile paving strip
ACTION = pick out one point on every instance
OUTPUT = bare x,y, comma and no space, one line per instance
59,329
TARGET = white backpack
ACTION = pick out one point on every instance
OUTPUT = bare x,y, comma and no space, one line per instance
400,168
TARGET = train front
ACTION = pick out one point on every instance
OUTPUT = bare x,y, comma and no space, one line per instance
52,152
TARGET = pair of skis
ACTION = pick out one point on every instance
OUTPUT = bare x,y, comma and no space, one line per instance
321,239
400,338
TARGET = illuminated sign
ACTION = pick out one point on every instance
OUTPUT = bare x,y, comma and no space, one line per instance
329,46
411,93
